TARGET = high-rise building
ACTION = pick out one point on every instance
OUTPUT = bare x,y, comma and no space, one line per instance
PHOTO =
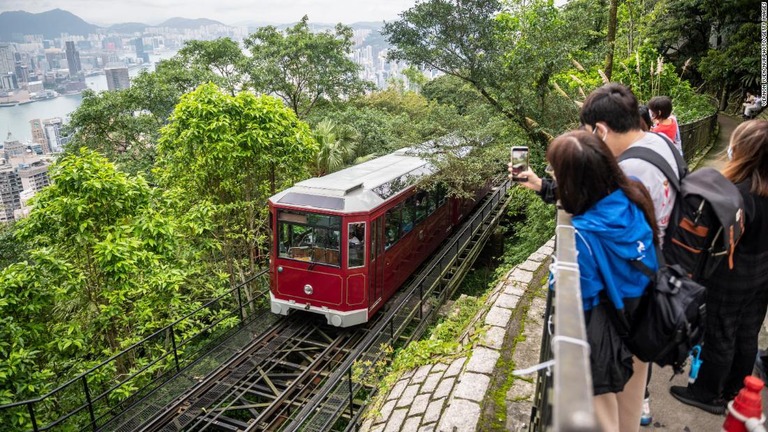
54,56
12,148
33,175
38,134
8,81
112,43
117,77
73,59
10,188
140,53
22,72
56,140
7,59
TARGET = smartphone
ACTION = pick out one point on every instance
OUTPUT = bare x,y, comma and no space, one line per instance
519,159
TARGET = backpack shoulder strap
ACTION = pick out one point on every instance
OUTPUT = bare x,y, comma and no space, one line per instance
647,270
682,166
654,159
644,269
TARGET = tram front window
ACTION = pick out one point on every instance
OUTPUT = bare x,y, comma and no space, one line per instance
309,237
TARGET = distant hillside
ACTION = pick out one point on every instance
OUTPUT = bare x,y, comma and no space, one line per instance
131,27
186,23
50,24
371,25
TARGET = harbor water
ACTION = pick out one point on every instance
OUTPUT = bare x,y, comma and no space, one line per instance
15,119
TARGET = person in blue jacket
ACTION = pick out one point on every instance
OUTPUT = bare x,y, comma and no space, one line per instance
614,221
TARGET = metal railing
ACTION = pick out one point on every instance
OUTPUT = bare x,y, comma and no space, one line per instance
696,136
89,400
563,399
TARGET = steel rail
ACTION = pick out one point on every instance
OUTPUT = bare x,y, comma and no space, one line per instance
262,383
187,401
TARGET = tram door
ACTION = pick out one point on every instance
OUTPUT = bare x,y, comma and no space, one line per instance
376,267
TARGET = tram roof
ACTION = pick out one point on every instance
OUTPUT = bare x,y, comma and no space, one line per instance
358,188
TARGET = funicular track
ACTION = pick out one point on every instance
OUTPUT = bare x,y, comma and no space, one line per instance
298,375
262,384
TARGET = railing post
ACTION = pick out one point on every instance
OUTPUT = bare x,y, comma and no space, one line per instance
31,410
392,330
240,307
90,404
175,353
351,396
421,299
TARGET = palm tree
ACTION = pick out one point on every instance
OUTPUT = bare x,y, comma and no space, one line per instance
337,146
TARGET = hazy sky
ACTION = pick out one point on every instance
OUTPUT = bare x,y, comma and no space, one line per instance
227,11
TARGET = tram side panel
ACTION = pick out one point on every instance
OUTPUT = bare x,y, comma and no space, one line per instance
411,245
346,266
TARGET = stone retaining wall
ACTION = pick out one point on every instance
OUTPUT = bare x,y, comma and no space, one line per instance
449,396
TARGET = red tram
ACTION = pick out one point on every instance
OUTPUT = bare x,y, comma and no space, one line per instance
345,242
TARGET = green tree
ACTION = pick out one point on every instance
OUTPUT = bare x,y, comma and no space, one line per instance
611,38
222,57
106,251
124,125
105,268
452,91
415,77
336,146
303,68
716,42
118,125
507,55
11,250
222,156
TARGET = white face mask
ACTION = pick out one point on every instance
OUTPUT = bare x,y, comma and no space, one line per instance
730,153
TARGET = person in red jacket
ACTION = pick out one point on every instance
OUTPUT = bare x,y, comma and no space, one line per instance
660,108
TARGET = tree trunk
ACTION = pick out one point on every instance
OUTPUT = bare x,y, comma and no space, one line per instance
611,39
723,97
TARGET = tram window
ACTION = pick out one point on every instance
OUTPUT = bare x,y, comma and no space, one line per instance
441,194
407,218
420,205
375,237
431,202
392,226
309,237
356,250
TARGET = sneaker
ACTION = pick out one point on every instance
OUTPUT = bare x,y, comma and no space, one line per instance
645,417
684,395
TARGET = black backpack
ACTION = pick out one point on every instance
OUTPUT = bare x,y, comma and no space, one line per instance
669,320
707,217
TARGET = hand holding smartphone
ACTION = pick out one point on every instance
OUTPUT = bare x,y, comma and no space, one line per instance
519,160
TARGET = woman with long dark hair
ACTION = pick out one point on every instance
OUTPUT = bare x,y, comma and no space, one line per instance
736,299
615,224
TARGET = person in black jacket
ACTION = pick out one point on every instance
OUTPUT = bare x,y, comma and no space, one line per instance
736,299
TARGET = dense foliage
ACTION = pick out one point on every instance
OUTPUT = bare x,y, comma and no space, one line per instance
104,268
303,68
648,75
160,200
220,157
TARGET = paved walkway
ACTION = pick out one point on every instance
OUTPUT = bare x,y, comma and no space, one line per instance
455,396
716,157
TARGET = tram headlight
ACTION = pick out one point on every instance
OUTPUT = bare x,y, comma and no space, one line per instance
308,290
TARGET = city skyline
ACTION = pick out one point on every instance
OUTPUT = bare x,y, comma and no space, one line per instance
230,12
